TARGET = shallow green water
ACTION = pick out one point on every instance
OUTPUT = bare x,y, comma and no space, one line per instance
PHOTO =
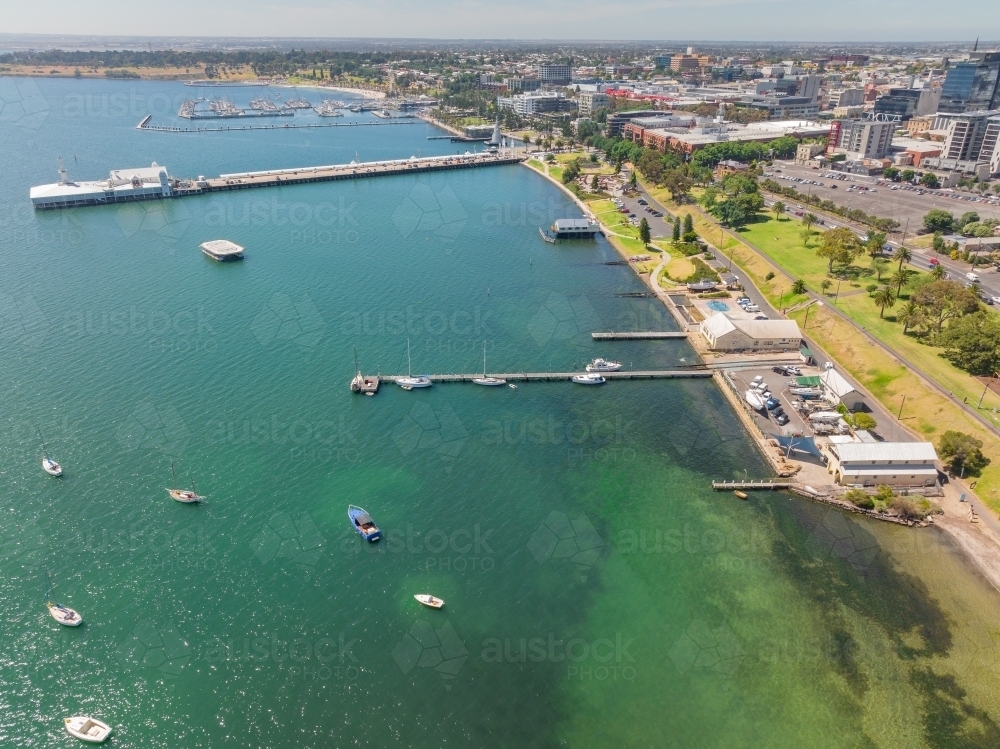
598,592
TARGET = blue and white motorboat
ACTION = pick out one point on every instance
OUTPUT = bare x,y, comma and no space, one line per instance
363,524
589,379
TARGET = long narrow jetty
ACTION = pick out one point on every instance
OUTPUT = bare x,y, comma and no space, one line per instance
651,374
751,485
145,125
636,335
248,180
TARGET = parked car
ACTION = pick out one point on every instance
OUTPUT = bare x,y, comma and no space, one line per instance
761,317
781,419
771,404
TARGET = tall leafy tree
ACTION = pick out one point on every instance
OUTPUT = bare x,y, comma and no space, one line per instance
962,453
945,300
644,233
972,343
839,246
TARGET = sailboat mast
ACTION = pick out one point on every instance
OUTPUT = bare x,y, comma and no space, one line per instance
408,368
484,358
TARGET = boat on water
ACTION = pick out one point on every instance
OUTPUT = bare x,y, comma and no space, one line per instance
64,615
409,382
363,524
602,365
741,495
488,381
755,399
50,466
185,496
429,600
589,379
88,729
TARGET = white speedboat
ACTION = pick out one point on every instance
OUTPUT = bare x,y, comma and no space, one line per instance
86,728
589,379
185,496
64,615
601,365
429,600
409,382
755,399
488,381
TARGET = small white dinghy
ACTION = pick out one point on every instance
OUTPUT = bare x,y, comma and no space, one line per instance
429,600
589,379
87,729
64,615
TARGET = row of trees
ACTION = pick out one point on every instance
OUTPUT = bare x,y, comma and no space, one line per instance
711,155
969,224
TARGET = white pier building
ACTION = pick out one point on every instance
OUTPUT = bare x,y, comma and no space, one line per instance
121,186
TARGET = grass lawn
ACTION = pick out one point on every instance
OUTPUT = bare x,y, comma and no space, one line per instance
679,268
536,164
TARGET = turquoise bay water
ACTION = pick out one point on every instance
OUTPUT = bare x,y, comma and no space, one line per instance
597,591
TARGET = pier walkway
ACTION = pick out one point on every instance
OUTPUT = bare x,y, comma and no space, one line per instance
637,335
145,125
303,175
751,485
651,374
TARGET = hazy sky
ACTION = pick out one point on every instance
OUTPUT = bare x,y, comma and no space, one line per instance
752,20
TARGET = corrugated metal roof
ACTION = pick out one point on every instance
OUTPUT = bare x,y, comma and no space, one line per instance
769,329
837,383
866,452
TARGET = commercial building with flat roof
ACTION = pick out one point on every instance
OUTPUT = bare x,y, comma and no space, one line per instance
589,102
889,463
536,103
725,333
865,139
691,139
556,75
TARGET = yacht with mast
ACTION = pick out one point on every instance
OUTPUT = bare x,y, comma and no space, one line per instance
488,381
409,382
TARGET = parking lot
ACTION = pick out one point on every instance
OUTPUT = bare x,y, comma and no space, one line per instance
778,387
880,199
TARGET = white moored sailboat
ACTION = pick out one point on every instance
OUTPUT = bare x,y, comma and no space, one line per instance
409,382
488,381
86,728
601,365
62,614
48,465
185,496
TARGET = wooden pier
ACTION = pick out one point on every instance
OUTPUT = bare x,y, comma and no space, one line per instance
762,485
652,374
636,335
304,175
145,125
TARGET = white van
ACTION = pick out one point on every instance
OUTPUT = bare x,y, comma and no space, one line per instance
972,277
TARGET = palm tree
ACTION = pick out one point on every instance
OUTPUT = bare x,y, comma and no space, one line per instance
937,272
899,279
909,315
808,220
799,287
884,297
903,256
777,209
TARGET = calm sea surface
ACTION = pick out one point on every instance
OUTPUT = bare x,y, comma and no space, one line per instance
598,593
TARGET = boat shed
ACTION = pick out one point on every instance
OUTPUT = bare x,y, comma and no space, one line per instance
838,389
891,463
573,228
725,333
